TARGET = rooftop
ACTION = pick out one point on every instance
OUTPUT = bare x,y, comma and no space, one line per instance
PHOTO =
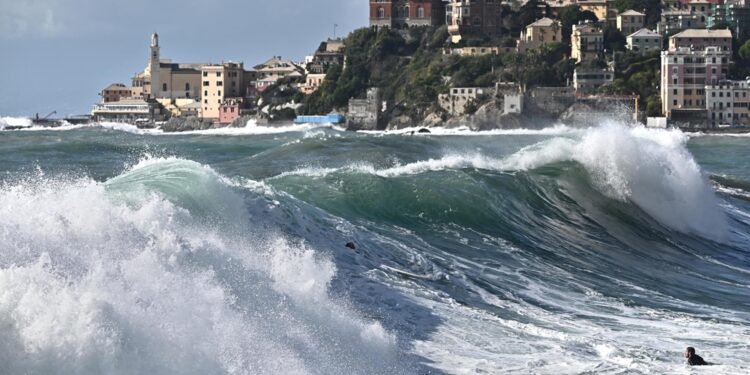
644,32
701,33
544,22
631,13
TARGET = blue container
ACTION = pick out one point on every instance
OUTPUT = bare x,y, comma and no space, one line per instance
326,119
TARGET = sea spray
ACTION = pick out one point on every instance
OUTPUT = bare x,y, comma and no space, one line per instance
135,276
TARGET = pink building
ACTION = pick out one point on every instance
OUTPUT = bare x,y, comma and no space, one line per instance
229,110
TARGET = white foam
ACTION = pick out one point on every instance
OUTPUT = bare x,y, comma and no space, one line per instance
14,122
252,128
123,277
559,129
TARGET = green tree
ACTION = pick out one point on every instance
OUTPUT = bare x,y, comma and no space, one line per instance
745,50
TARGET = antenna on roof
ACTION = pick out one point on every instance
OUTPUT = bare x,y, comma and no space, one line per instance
335,26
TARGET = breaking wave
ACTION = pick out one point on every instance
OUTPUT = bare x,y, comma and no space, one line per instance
161,270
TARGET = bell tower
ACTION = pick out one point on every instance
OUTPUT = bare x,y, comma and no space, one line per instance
154,66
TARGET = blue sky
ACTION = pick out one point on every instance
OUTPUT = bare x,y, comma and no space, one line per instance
58,54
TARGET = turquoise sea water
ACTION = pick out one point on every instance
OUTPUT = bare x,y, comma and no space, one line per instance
560,251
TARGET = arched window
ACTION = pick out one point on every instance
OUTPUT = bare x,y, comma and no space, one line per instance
407,12
381,12
187,86
420,12
164,87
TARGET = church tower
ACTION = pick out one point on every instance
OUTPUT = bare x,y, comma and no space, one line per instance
154,66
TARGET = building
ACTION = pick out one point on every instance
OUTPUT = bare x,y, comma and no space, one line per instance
364,114
477,51
701,7
728,103
644,41
275,69
220,82
312,83
672,5
230,110
587,42
630,21
404,13
540,33
587,81
599,7
736,13
115,92
673,22
330,52
701,39
472,18
456,101
164,79
132,111
685,73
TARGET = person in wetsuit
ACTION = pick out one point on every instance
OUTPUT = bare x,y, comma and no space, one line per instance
694,359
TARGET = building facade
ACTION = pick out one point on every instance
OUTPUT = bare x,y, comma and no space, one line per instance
587,42
701,39
587,81
728,103
115,92
685,73
644,41
220,81
403,13
539,34
164,79
674,21
467,18
457,100
132,111
630,21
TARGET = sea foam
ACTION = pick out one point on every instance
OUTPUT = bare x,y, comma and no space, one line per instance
123,277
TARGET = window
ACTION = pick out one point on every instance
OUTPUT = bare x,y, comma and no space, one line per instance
164,87
218,74
420,12
219,93
381,12
205,93
205,74
187,87
219,83
206,83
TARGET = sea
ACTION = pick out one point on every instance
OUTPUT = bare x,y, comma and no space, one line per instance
565,250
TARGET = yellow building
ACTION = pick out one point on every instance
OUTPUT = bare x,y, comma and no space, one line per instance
163,79
540,33
219,82
587,42
599,7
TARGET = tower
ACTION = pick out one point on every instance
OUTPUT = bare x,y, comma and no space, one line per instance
154,66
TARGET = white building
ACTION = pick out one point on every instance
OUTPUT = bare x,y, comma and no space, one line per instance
586,81
644,41
728,103
458,98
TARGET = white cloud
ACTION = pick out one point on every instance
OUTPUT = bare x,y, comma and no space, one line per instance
19,18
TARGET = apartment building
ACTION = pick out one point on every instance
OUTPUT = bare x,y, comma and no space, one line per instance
466,18
587,42
674,21
728,103
685,73
115,92
403,13
219,82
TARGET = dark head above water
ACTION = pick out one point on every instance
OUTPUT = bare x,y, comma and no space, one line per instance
692,358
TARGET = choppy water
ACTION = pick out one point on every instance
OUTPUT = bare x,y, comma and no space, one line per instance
559,251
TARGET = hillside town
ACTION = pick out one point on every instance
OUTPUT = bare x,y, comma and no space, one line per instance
683,63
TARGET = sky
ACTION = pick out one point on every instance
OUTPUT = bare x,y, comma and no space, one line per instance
57,55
